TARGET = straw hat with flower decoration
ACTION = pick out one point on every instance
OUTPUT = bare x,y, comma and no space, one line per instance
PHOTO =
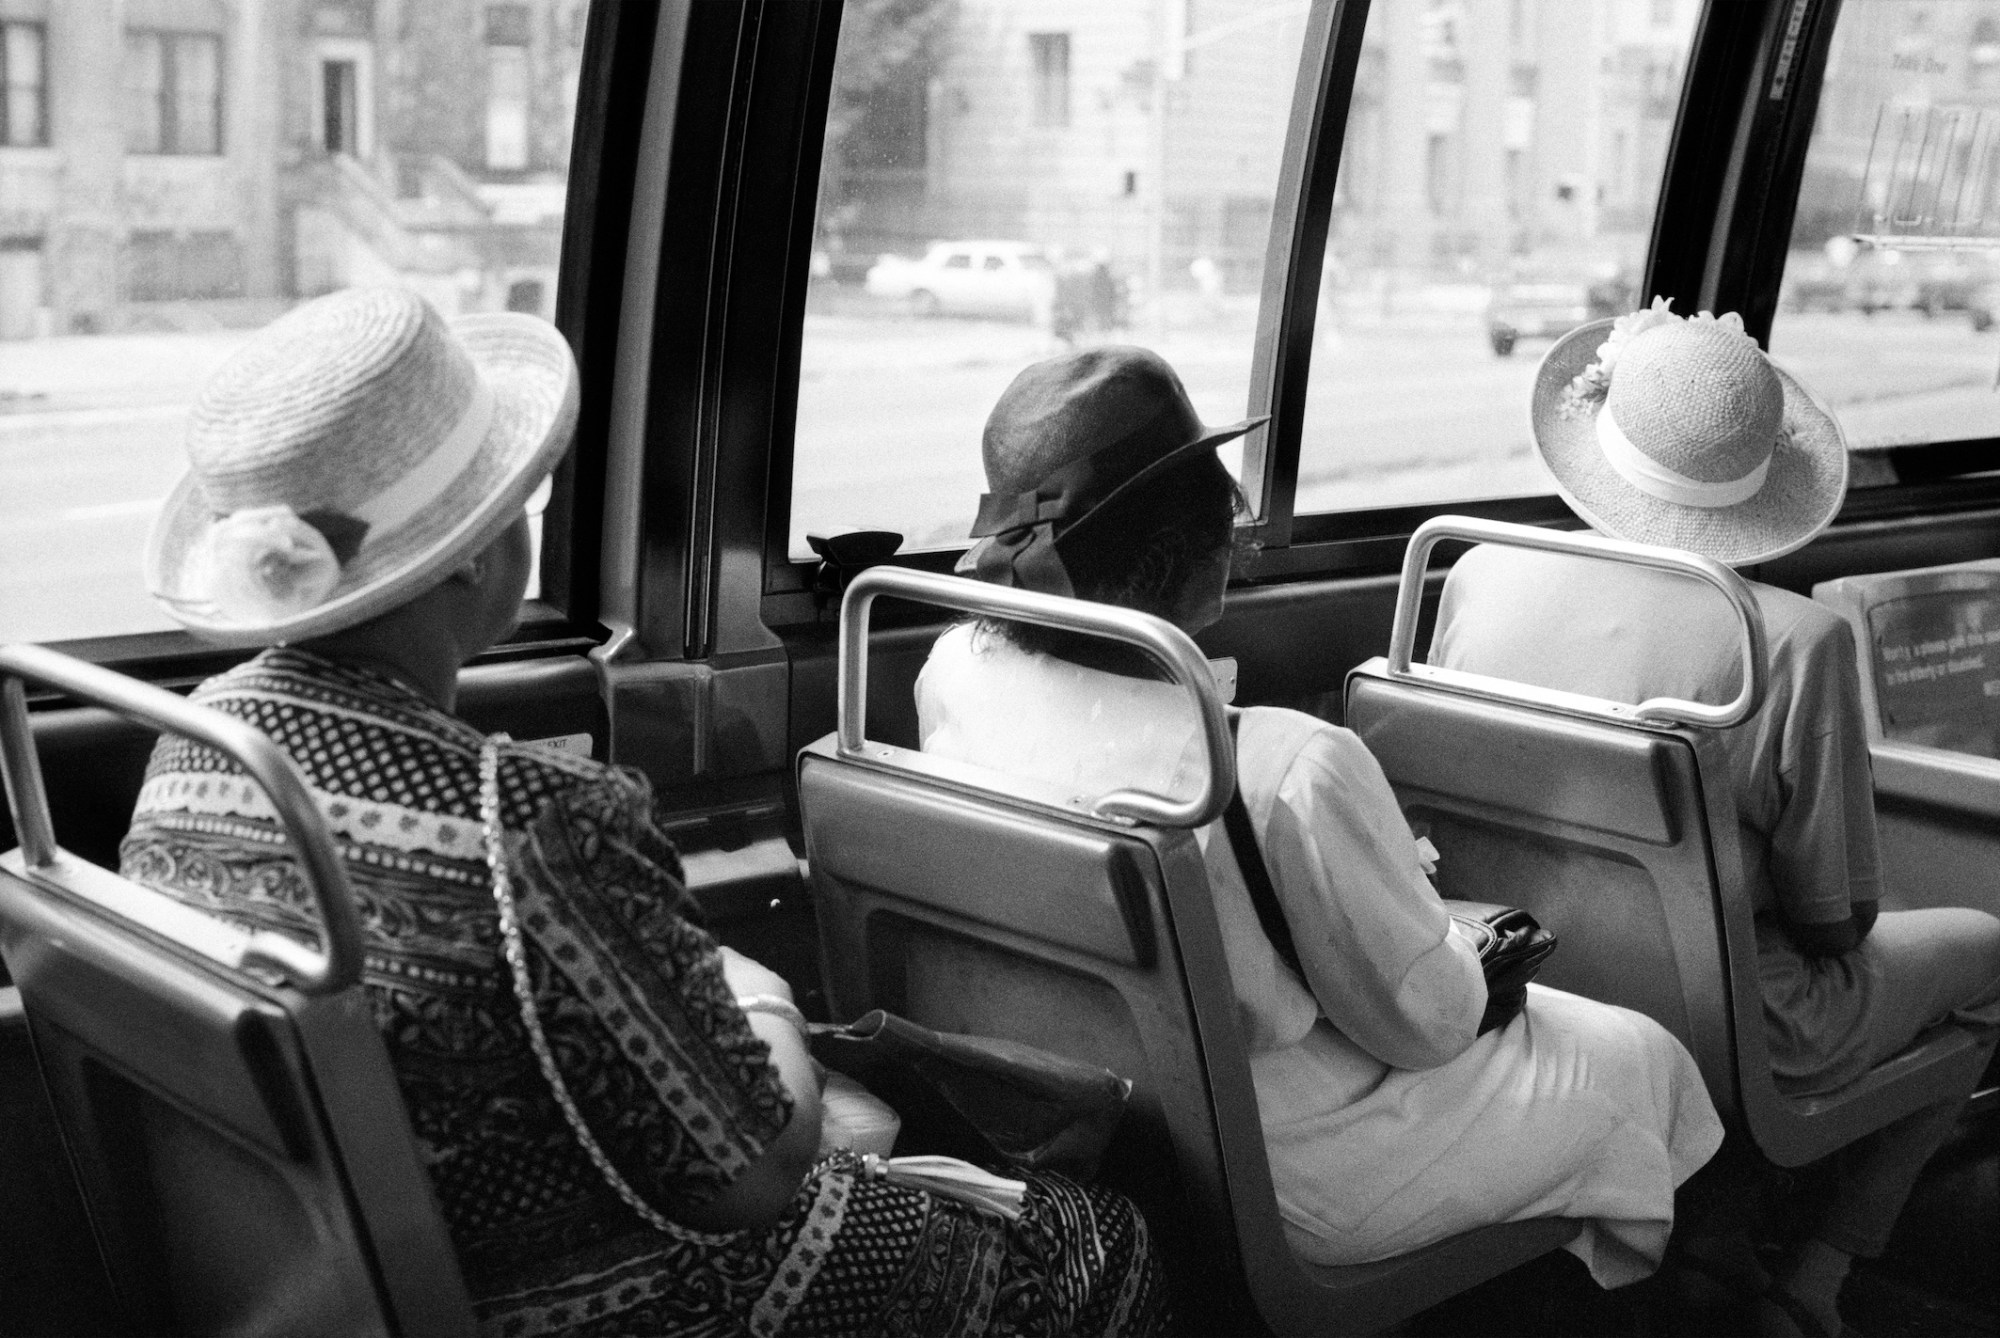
352,455
1679,431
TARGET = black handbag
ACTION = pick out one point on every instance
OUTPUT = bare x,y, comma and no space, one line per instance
983,1100
1512,945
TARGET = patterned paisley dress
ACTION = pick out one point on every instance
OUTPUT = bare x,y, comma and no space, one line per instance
630,990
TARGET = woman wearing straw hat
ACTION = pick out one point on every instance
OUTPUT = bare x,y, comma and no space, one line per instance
1390,1121
1680,432
620,1120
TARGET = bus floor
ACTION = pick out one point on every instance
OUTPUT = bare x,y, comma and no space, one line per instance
1940,1277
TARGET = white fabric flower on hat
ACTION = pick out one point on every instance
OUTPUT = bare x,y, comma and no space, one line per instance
1591,384
1623,331
265,563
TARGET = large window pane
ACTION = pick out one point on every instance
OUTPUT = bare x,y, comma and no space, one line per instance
145,92
1496,189
135,258
22,122
197,102
1006,178
1892,285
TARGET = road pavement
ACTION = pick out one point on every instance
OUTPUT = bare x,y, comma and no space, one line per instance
890,410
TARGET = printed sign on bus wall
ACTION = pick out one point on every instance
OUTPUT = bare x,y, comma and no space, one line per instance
1937,668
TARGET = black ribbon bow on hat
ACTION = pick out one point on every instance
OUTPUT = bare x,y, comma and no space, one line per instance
1058,408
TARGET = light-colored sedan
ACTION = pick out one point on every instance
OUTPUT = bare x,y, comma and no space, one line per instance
970,279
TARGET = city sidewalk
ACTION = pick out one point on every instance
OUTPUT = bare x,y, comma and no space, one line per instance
72,372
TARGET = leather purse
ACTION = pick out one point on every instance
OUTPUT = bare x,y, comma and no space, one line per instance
987,1101
1512,947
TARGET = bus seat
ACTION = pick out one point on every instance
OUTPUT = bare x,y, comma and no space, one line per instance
1929,646
1616,826
226,1102
976,902
50,1274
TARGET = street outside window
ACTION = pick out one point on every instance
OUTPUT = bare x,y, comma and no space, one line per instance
245,170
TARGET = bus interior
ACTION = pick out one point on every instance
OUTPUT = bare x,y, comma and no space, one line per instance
799,246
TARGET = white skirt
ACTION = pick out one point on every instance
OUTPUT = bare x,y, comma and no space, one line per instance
1574,1109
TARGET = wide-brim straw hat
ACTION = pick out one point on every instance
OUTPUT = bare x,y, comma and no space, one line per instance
353,454
1068,439
1802,485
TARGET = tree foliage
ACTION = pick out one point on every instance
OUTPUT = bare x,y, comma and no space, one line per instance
882,43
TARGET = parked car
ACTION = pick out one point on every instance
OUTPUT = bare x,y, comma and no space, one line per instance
1545,308
977,278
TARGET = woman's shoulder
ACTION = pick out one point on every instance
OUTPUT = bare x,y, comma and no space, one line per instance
576,784
1280,745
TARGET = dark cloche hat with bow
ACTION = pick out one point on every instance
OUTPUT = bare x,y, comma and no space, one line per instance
1069,436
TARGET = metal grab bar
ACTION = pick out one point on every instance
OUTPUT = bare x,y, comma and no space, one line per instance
1665,710
309,972
1156,636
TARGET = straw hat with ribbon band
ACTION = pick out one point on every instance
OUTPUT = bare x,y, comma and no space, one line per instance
1068,437
1679,431
352,455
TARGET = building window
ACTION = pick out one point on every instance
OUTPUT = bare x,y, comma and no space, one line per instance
1663,13
506,87
24,98
1437,173
1050,54
340,104
173,92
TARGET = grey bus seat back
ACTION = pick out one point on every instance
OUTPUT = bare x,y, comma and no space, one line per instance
242,1146
1100,943
972,904
1933,716
1603,833
1620,834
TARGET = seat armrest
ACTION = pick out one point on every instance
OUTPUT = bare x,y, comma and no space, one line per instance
1936,778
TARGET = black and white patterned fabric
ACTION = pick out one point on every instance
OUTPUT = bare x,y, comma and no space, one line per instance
630,991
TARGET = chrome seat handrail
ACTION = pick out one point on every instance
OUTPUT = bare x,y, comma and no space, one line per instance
1167,644
325,972
1654,710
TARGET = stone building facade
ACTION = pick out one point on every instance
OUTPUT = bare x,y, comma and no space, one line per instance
193,161
1480,130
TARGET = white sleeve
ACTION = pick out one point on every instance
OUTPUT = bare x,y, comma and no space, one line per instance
1372,933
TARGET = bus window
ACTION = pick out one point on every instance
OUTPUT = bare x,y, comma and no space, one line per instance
1496,189
1892,281
1004,180
168,190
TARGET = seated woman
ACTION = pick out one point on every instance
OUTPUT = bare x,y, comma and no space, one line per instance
356,503
1390,1123
1681,433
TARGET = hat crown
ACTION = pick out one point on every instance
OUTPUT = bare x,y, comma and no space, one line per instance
1699,399
1062,409
331,405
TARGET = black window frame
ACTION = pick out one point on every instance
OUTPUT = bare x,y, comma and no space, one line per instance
7,140
168,96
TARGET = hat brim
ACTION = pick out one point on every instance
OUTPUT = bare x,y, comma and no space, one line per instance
1210,439
1802,491
527,365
